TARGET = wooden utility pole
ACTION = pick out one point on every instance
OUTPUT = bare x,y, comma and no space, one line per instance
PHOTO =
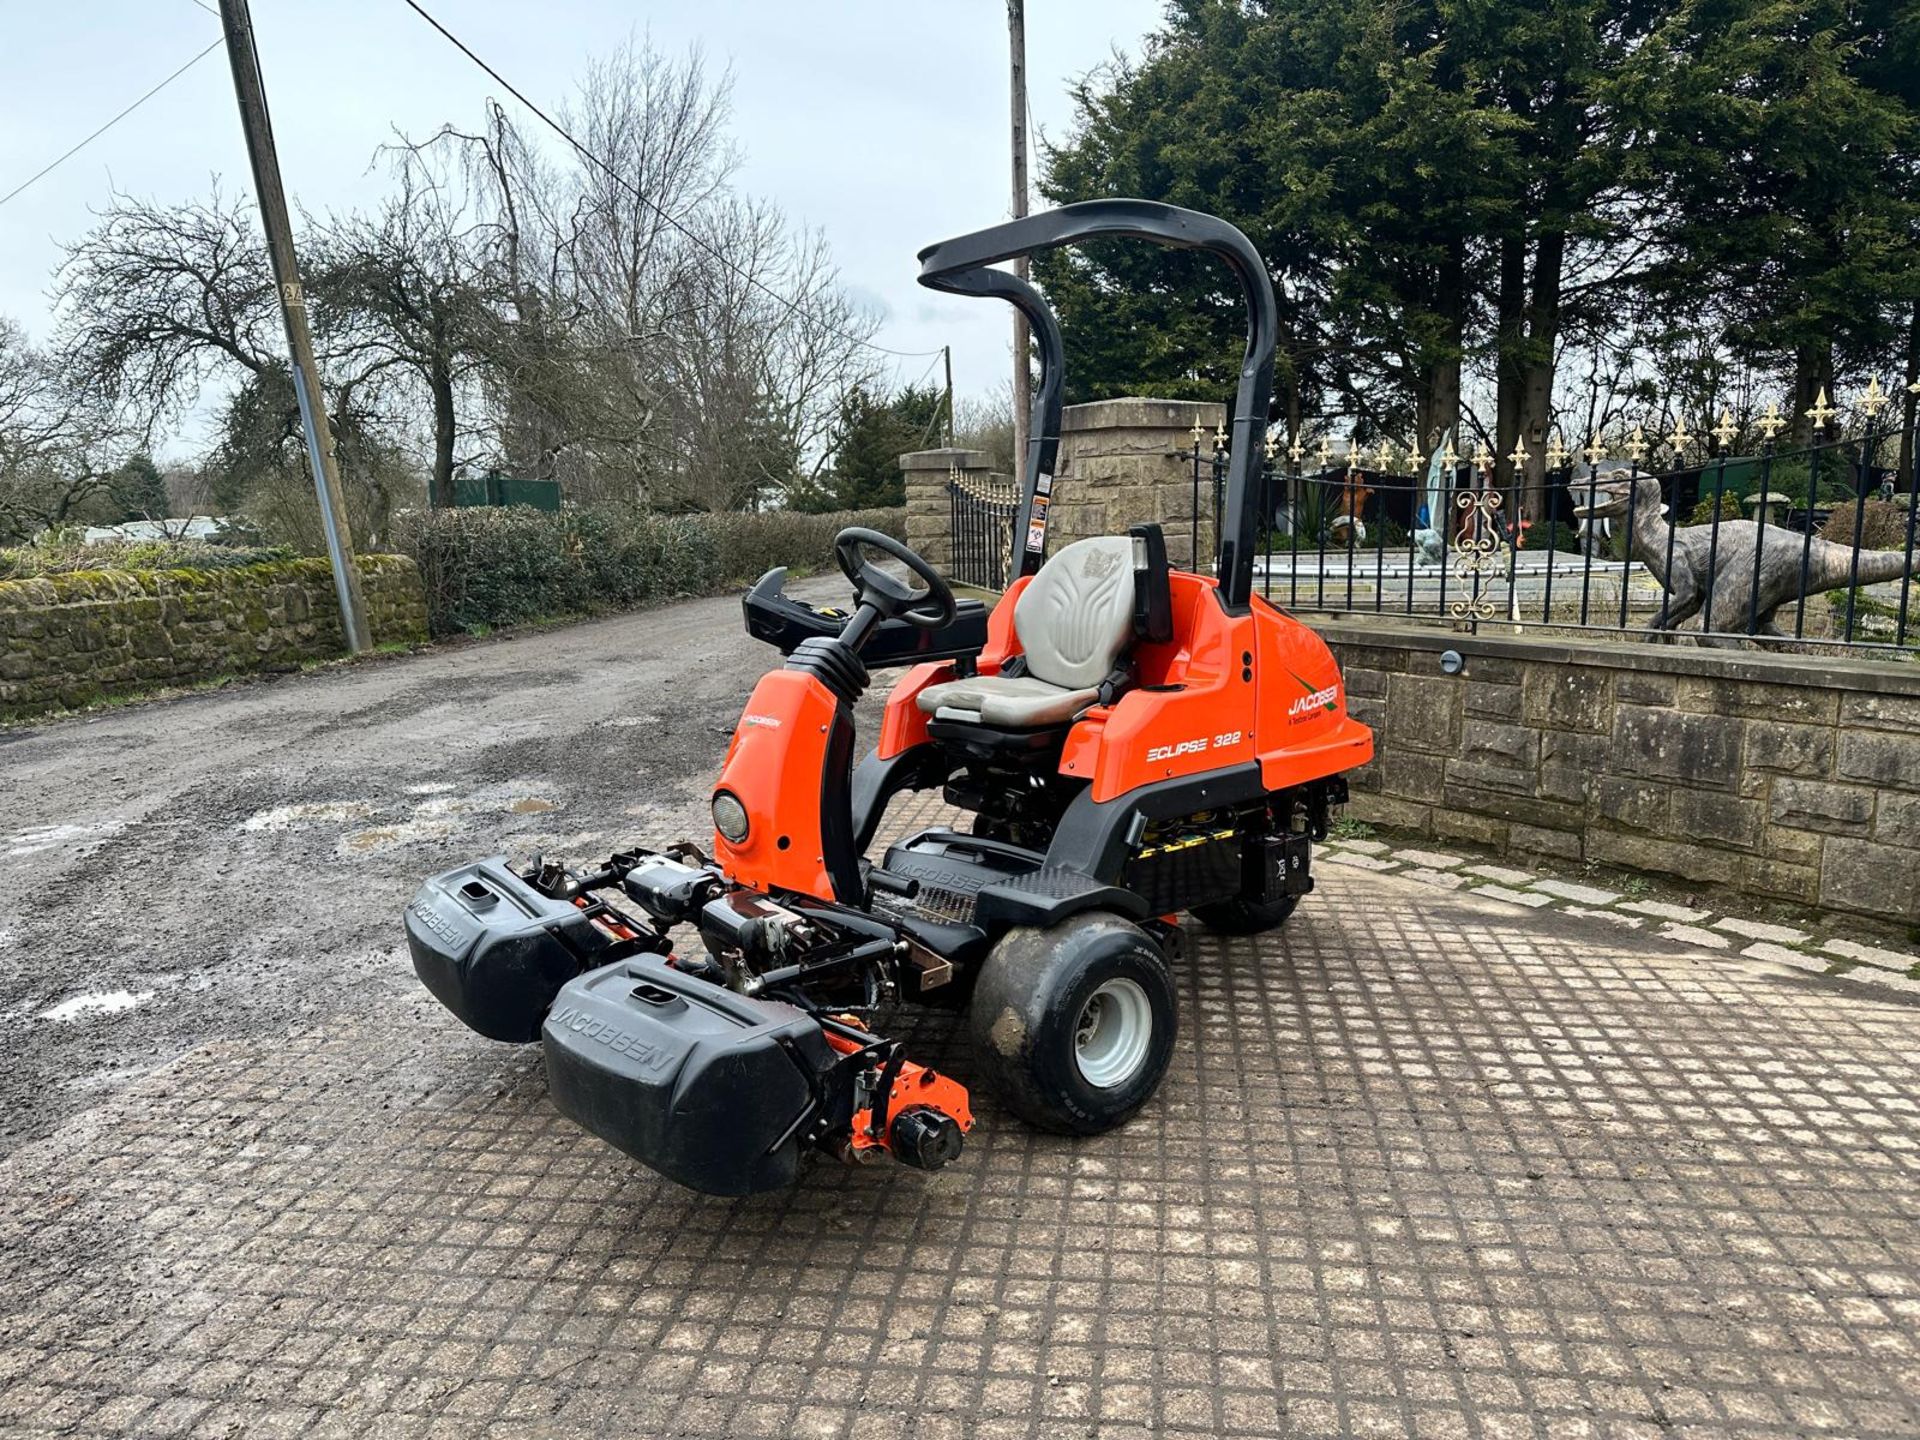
250,90
1022,372
946,352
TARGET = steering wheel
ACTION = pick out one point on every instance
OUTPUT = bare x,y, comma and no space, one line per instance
928,608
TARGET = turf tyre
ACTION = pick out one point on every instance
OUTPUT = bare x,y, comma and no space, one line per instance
1031,1029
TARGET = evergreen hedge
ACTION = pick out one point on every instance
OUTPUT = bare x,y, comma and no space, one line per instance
489,567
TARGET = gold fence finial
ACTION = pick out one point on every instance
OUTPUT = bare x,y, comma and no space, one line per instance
1821,412
1199,432
1294,452
1726,432
1637,444
1356,458
1273,448
1451,458
1416,462
1220,437
1481,456
1773,422
1325,452
1680,438
1875,399
1557,452
1383,457
1519,455
1595,451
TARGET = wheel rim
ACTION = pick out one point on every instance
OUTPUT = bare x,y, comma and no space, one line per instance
1111,1037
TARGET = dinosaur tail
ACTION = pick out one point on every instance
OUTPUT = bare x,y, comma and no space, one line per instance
1876,565
1833,566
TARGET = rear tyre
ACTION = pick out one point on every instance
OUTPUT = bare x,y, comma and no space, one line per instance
1073,1026
1241,916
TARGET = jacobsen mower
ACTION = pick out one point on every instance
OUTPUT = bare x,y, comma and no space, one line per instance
1131,741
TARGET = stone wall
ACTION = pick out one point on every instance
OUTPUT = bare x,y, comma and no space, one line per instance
1121,462
1130,462
66,640
929,509
1782,777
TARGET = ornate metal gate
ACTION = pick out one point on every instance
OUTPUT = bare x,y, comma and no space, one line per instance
982,513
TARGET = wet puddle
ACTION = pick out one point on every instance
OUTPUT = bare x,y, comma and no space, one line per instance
285,817
104,1002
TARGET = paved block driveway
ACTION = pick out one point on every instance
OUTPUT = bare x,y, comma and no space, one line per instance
1421,1166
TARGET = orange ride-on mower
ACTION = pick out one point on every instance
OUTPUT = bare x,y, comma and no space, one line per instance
1132,742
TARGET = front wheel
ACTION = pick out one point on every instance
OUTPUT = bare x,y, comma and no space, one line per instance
1073,1026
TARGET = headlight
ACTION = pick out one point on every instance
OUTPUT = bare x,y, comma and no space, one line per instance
730,816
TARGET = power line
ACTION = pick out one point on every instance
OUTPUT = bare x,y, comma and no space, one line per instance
792,306
32,179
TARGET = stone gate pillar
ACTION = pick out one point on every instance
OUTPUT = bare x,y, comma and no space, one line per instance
1129,462
929,513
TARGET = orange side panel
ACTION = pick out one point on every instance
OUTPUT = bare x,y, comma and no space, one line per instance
1350,744
774,765
1235,689
1206,724
1304,731
902,726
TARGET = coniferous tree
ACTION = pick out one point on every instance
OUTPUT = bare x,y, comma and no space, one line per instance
139,491
871,435
1788,142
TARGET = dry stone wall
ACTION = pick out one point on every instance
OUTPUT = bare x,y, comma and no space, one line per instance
67,640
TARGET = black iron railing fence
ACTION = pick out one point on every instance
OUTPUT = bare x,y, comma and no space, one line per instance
1737,546
982,513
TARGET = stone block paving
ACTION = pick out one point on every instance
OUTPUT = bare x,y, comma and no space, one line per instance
1425,1165
1874,966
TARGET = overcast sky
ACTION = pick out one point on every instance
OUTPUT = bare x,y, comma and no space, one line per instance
882,121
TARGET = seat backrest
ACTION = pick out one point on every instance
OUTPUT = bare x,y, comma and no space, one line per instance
1074,617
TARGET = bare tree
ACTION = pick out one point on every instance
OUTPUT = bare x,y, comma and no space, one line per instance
407,299
157,303
675,343
155,300
60,450
622,320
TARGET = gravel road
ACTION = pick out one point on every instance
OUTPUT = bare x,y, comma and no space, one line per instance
233,863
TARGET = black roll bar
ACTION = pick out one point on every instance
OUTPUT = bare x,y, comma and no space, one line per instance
961,266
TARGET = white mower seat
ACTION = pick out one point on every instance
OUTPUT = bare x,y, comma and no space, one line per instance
1073,620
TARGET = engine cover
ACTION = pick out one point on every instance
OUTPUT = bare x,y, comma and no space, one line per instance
712,1089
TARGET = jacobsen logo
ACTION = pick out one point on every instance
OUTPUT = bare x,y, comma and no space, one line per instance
1318,700
765,722
1324,701
437,923
621,1042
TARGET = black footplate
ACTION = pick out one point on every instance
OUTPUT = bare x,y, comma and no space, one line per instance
712,1089
494,950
